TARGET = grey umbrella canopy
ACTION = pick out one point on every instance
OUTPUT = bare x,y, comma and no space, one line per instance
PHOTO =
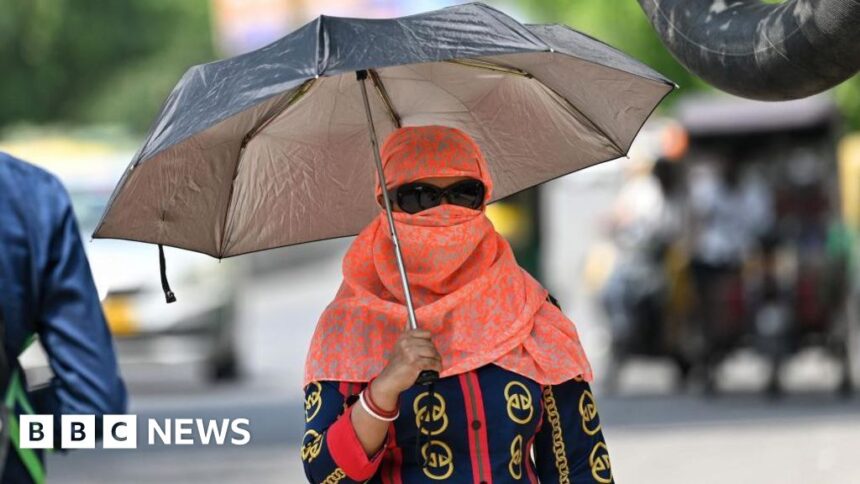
272,148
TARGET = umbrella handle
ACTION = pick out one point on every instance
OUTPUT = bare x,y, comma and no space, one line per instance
427,377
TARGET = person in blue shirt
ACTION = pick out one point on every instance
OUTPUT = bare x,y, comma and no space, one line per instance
47,289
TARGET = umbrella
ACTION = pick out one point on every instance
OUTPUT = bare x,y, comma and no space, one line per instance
277,146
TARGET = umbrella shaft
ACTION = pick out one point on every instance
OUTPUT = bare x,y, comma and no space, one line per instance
412,322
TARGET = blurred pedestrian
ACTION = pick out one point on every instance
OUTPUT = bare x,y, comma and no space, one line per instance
514,377
646,225
47,290
731,212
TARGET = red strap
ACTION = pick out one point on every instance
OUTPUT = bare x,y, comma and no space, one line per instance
478,442
344,388
393,461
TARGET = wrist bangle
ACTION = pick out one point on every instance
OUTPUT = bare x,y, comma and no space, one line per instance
373,414
368,397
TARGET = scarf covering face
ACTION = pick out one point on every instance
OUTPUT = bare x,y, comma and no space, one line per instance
467,288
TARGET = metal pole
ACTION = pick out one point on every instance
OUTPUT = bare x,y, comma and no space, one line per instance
413,323
427,376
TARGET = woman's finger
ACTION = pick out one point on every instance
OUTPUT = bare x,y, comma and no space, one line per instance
430,364
418,333
419,342
426,352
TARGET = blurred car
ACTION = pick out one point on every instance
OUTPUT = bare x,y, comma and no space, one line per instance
200,327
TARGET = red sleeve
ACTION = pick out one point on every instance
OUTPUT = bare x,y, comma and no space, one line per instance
347,452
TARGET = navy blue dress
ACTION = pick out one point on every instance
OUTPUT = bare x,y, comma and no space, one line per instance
487,425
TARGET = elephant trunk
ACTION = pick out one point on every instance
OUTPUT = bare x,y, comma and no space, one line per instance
762,51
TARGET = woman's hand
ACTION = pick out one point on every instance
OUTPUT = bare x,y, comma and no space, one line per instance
413,353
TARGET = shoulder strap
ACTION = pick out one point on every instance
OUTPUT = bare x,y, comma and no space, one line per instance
14,395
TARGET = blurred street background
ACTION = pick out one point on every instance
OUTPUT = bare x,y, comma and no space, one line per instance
712,274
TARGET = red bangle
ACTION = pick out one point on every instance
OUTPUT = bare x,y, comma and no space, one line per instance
368,397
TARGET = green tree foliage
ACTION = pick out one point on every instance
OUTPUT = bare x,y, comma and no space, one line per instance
848,97
96,61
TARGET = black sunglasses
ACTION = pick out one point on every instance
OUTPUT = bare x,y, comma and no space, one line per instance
416,196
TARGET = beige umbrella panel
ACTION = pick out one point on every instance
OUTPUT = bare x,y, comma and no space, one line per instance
299,166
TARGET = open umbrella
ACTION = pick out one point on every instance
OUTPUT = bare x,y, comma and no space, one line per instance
277,146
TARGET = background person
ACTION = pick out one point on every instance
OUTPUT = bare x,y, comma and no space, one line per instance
46,289
732,210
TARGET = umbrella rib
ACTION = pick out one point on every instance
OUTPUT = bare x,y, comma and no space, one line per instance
298,94
571,107
386,100
490,66
482,64
228,221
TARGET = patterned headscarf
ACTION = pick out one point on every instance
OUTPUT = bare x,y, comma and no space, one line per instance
467,288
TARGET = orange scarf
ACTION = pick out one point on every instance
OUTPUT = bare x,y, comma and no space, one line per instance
467,288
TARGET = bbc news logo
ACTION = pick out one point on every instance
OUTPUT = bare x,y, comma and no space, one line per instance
120,431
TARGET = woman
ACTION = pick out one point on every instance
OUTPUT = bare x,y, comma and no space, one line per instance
513,373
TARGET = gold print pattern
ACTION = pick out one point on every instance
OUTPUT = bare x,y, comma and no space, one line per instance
440,460
336,476
588,411
311,445
515,466
558,449
313,402
435,421
519,402
598,460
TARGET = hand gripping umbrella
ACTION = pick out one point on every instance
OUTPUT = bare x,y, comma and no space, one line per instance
271,148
